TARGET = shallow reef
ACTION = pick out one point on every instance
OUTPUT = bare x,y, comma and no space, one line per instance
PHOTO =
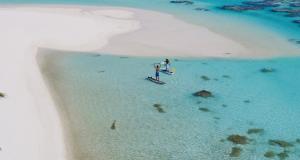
201,9
289,7
281,10
296,21
296,4
204,109
205,78
270,154
255,131
203,93
296,41
283,155
235,152
280,143
182,2
289,12
264,4
224,105
238,139
217,118
159,108
246,101
225,76
240,8
101,71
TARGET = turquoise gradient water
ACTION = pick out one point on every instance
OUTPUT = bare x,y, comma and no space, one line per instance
97,90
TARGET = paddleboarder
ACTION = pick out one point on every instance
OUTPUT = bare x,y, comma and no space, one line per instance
167,64
157,69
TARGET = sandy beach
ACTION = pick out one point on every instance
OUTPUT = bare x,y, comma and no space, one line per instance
31,128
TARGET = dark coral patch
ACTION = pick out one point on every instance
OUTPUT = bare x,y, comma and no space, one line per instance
201,9
235,152
296,21
217,118
102,71
204,109
255,131
240,8
246,101
156,105
269,154
203,93
295,4
281,10
280,143
283,155
159,108
226,76
238,139
182,2
205,78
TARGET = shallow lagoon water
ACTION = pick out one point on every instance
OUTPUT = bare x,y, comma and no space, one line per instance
96,90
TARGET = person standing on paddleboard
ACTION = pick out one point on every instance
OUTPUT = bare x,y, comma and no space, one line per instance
157,69
167,63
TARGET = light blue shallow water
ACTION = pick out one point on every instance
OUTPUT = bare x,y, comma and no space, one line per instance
97,90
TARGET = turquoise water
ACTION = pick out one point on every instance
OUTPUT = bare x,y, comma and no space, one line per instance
99,89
